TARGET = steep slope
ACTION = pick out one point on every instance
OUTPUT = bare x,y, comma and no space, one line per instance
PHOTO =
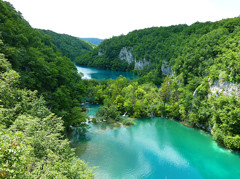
153,48
41,65
31,140
70,46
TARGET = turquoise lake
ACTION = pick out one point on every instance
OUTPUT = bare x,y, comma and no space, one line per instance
154,148
90,72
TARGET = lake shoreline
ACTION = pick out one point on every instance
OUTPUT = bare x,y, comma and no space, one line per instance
104,145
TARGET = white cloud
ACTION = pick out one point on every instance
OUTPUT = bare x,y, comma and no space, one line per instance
105,18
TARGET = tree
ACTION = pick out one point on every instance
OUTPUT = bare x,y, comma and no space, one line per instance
108,114
32,144
165,91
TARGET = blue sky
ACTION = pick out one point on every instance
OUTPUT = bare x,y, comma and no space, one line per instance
107,18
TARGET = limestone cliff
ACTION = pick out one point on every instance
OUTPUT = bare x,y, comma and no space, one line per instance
226,88
127,55
166,69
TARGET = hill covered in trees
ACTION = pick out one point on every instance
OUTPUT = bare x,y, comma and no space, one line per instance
198,44
42,66
197,67
70,46
32,144
40,97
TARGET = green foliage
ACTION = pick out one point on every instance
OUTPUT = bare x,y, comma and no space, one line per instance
40,64
226,118
194,51
128,122
232,142
108,114
32,144
127,97
165,90
70,46
175,100
15,155
199,55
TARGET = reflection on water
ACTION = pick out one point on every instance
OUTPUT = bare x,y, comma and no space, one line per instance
155,148
99,74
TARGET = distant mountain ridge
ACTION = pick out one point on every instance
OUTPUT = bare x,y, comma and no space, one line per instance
94,41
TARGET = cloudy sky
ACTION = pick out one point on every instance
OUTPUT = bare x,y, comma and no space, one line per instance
107,18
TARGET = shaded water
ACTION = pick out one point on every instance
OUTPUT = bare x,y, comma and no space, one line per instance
155,148
90,72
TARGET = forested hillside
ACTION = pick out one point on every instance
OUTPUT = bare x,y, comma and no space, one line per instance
41,65
31,136
94,41
197,66
40,96
198,44
70,46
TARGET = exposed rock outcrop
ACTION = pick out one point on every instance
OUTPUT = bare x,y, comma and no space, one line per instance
127,55
166,69
226,88
101,53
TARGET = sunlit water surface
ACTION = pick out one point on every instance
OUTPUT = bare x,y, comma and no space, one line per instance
90,72
155,148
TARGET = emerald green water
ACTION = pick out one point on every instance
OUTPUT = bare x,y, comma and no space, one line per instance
155,148
90,72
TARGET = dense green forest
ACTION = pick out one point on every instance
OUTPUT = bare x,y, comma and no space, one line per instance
186,48
71,47
200,87
189,73
42,66
40,96
32,144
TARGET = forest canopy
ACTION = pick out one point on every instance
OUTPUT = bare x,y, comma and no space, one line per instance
42,66
40,96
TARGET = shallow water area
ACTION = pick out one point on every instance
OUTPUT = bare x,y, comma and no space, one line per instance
155,148
99,74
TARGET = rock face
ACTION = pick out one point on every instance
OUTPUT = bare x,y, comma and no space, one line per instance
127,55
101,53
226,88
166,69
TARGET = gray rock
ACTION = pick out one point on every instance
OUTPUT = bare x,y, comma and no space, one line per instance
127,55
100,53
226,88
166,69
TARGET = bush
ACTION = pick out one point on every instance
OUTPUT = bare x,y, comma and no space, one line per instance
128,122
108,114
